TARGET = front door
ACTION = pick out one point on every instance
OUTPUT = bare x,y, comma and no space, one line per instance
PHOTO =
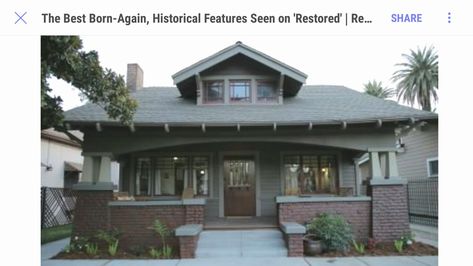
239,186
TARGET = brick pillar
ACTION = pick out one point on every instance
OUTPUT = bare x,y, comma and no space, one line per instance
187,246
91,212
390,217
295,245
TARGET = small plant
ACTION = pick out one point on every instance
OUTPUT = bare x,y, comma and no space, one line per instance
155,253
78,243
162,230
408,239
108,236
112,248
399,245
359,247
91,249
68,249
167,252
333,230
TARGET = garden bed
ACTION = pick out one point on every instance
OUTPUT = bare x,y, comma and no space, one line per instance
387,249
103,255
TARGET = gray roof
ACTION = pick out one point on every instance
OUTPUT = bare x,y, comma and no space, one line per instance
314,104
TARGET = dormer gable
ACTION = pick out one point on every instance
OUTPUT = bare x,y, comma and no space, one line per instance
239,74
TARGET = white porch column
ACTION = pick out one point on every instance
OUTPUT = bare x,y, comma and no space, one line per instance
391,165
87,169
105,169
375,166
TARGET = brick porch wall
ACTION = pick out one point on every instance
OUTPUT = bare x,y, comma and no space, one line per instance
187,246
357,213
294,244
390,212
135,223
91,212
194,214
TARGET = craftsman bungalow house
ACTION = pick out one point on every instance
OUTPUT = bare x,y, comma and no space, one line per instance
241,136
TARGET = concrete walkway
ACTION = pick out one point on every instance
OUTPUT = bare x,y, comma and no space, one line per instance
425,234
50,249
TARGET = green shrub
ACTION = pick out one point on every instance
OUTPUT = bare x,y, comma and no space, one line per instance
162,230
332,230
112,248
154,253
399,245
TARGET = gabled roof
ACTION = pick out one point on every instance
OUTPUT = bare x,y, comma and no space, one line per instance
314,104
239,48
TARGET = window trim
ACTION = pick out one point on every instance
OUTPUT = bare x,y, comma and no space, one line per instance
226,89
205,90
250,91
429,170
276,94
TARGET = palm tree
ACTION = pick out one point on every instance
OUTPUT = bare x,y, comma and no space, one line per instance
418,78
376,89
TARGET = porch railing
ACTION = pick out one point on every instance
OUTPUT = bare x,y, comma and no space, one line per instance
423,201
57,206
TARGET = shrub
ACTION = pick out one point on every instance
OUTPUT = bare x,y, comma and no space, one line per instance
408,239
399,245
91,249
112,248
154,253
162,230
332,230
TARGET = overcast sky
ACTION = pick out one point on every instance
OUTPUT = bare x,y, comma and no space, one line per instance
329,60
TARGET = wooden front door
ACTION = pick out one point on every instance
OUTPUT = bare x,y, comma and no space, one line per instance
239,186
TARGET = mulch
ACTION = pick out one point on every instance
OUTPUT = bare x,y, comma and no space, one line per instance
387,249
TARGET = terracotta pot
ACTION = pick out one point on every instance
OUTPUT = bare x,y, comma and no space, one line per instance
313,246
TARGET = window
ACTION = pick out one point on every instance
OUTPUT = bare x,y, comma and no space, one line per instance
266,91
310,174
240,91
213,91
170,175
433,167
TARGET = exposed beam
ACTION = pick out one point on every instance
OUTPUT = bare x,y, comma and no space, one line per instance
379,123
275,126
98,127
199,92
310,126
344,125
166,128
203,127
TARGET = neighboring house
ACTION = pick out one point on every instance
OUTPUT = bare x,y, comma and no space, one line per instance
418,151
61,159
241,136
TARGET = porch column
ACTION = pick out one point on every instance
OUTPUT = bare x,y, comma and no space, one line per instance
94,192
375,166
390,217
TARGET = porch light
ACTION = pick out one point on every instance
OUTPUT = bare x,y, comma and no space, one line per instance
175,158
202,172
324,170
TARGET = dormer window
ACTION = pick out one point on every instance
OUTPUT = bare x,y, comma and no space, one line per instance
266,91
240,91
214,91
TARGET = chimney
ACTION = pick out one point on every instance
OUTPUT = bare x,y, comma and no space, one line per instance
134,77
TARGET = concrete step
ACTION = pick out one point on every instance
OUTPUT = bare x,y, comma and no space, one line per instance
241,243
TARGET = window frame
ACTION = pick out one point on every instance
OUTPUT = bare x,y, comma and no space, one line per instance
154,155
338,158
429,170
205,99
231,91
276,94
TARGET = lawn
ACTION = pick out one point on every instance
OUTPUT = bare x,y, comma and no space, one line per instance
55,233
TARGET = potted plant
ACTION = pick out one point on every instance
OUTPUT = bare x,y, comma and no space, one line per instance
313,245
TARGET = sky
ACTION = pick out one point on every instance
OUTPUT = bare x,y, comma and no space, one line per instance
327,60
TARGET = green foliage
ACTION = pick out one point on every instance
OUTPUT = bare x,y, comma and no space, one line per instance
399,245
408,239
167,252
110,236
418,78
162,230
63,57
91,249
78,243
376,89
359,247
112,248
332,230
55,233
155,253
68,248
